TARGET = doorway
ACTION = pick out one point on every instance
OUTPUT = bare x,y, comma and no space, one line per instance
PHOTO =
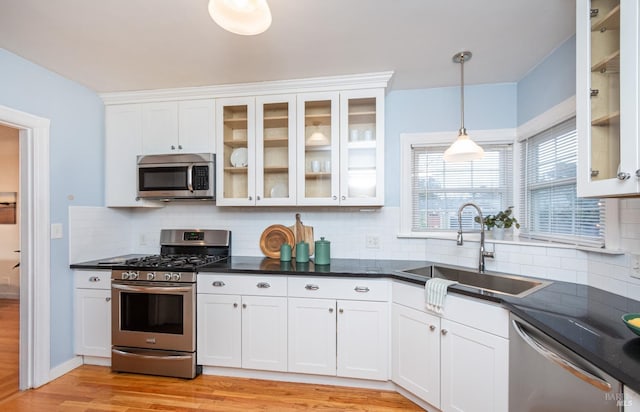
34,234
9,261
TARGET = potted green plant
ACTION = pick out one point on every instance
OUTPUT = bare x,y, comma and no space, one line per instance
499,222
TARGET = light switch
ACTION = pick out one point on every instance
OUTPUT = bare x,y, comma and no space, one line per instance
56,231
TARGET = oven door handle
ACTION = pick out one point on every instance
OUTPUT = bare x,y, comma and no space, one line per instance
152,289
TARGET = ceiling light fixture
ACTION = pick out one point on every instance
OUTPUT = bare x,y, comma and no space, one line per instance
463,149
246,17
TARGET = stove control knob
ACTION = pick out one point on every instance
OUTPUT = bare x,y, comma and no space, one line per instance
151,275
125,275
133,275
175,276
167,276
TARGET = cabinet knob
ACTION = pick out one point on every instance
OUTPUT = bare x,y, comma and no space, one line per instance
341,310
244,306
180,146
638,173
334,197
257,197
107,299
344,197
235,305
623,175
250,197
173,147
330,310
444,332
432,327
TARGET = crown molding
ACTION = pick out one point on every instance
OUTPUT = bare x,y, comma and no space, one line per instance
315,84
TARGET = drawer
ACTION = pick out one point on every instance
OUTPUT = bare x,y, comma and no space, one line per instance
476,313
339,288
92,279
256,285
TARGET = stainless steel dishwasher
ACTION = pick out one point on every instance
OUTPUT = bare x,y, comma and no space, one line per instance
545,376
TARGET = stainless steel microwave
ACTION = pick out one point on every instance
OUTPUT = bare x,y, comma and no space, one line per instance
177,176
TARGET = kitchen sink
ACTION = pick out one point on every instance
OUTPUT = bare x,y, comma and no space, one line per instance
490,282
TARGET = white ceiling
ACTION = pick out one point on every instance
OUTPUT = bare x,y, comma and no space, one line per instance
117,45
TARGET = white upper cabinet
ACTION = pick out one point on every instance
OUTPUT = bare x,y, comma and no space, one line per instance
362,148
178,127
236,151
607,44
318,149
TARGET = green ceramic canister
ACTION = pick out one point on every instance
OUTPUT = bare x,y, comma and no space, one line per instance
322,252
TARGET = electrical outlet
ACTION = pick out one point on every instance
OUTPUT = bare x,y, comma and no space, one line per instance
56,231
635,266
372,241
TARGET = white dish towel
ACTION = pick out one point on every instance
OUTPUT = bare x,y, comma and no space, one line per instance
435,291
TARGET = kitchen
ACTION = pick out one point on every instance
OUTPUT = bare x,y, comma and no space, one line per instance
77,198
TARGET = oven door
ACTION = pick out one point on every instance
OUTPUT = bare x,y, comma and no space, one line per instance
153,316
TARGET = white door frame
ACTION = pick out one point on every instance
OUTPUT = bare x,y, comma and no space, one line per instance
35,344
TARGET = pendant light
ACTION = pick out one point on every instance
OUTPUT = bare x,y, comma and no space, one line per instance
463,149
245,17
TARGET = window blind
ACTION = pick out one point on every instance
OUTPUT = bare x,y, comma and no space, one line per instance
440,188
550,207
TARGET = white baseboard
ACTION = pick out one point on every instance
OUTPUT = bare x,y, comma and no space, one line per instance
299,378
96,360
64,368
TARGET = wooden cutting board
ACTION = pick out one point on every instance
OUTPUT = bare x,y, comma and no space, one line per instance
302,233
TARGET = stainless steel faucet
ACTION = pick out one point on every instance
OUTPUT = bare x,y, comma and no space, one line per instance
460,241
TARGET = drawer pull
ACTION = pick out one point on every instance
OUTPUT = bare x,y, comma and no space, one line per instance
311,287
330,310
341,310
235,305
107,299
218,283
94,279
432,328
263,285
361,289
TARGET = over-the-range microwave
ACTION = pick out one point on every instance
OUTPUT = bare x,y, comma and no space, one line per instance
177,176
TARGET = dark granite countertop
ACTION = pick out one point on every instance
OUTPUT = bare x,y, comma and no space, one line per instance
585,319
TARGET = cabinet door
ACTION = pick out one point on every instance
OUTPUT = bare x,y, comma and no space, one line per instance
264,333
196,126
607,97
92,313
219,331
275,150
362,147
235,159
318,149
415,349
363,339
123,143
475,369
160,128
312,336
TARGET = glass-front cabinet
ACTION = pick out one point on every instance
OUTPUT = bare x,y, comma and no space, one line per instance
275,150
607,97
235,157
318,149
362,148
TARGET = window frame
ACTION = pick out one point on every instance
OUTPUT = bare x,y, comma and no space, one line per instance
407,140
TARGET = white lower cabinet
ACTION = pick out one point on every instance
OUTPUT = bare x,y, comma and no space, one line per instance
456,362
474,369
339,337
92,313
238,330
416,352
631,400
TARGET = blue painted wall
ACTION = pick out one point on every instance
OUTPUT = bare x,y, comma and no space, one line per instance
490,106
549,83
76,162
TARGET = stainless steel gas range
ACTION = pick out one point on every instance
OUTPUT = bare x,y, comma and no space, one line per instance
153,326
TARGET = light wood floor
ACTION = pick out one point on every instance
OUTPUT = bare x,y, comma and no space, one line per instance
9,346
96,388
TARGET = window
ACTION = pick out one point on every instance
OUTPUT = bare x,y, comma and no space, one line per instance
439,188
550,207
